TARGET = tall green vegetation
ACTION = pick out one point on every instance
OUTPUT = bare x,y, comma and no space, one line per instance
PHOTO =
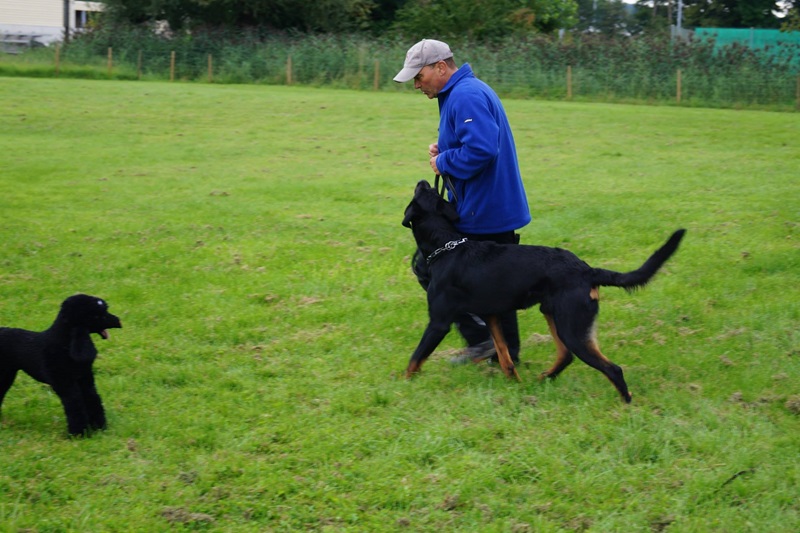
641,69
611,53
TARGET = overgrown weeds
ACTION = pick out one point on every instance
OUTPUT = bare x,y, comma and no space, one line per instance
643,69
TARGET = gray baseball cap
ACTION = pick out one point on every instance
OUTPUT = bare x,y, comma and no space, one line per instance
425,52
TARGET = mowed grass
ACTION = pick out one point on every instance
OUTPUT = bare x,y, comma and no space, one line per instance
249,238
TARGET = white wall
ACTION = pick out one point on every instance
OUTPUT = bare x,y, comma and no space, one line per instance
43,18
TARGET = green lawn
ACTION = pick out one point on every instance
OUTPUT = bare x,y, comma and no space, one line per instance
249,238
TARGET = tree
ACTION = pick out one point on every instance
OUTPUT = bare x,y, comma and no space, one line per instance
791,22
384,13
483,21
654,15
731,13
320,15
608,17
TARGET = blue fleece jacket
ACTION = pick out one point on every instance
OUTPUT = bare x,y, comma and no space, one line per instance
476,149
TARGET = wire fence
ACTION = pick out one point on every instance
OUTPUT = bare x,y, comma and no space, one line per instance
694,73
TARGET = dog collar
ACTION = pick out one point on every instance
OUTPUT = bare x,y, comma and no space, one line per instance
447,247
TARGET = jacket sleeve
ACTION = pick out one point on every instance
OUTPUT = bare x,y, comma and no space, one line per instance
477,139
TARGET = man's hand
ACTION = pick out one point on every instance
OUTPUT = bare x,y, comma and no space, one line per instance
433,151
433,166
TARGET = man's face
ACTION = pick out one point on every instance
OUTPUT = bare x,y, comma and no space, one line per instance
430,79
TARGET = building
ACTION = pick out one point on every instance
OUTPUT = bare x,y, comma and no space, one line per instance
31,22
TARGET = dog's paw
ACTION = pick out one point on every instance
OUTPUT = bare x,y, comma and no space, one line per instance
628,398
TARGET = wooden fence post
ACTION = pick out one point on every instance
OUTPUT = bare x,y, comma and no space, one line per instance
360,66
110,60
678,95
210,70
172,66
58,60
377,80
139,66
569,82
798,91
289,70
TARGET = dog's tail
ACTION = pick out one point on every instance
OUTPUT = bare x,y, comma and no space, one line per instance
639,277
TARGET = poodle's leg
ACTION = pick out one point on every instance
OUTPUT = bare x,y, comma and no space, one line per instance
93,403
71,397
6,380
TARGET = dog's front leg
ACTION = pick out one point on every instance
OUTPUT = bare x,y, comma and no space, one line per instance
94,405
433,336
72,399
501,347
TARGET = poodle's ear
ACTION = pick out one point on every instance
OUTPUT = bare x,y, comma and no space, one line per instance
81,347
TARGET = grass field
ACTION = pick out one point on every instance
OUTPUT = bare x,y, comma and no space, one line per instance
249,238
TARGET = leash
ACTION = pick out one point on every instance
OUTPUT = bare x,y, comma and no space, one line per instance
447,185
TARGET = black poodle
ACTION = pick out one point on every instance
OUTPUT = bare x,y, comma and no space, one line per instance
62,357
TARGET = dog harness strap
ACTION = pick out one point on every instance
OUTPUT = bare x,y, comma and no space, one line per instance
447,247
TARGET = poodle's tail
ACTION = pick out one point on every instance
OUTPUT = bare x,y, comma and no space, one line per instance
639,277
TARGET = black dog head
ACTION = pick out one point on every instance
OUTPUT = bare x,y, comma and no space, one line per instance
84,314
427,202
89,313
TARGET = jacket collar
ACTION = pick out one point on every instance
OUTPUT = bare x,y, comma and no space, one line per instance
464,71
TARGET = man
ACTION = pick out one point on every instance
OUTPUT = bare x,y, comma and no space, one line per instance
476,152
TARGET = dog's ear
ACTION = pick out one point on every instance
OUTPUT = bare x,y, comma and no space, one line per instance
409,214
431,202
81,347
426,200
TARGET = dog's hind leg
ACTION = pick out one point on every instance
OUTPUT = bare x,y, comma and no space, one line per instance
6,380
501,347
563,355
589,353
574,321
596,359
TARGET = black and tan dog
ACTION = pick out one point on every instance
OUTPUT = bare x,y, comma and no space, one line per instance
488,279
62,356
